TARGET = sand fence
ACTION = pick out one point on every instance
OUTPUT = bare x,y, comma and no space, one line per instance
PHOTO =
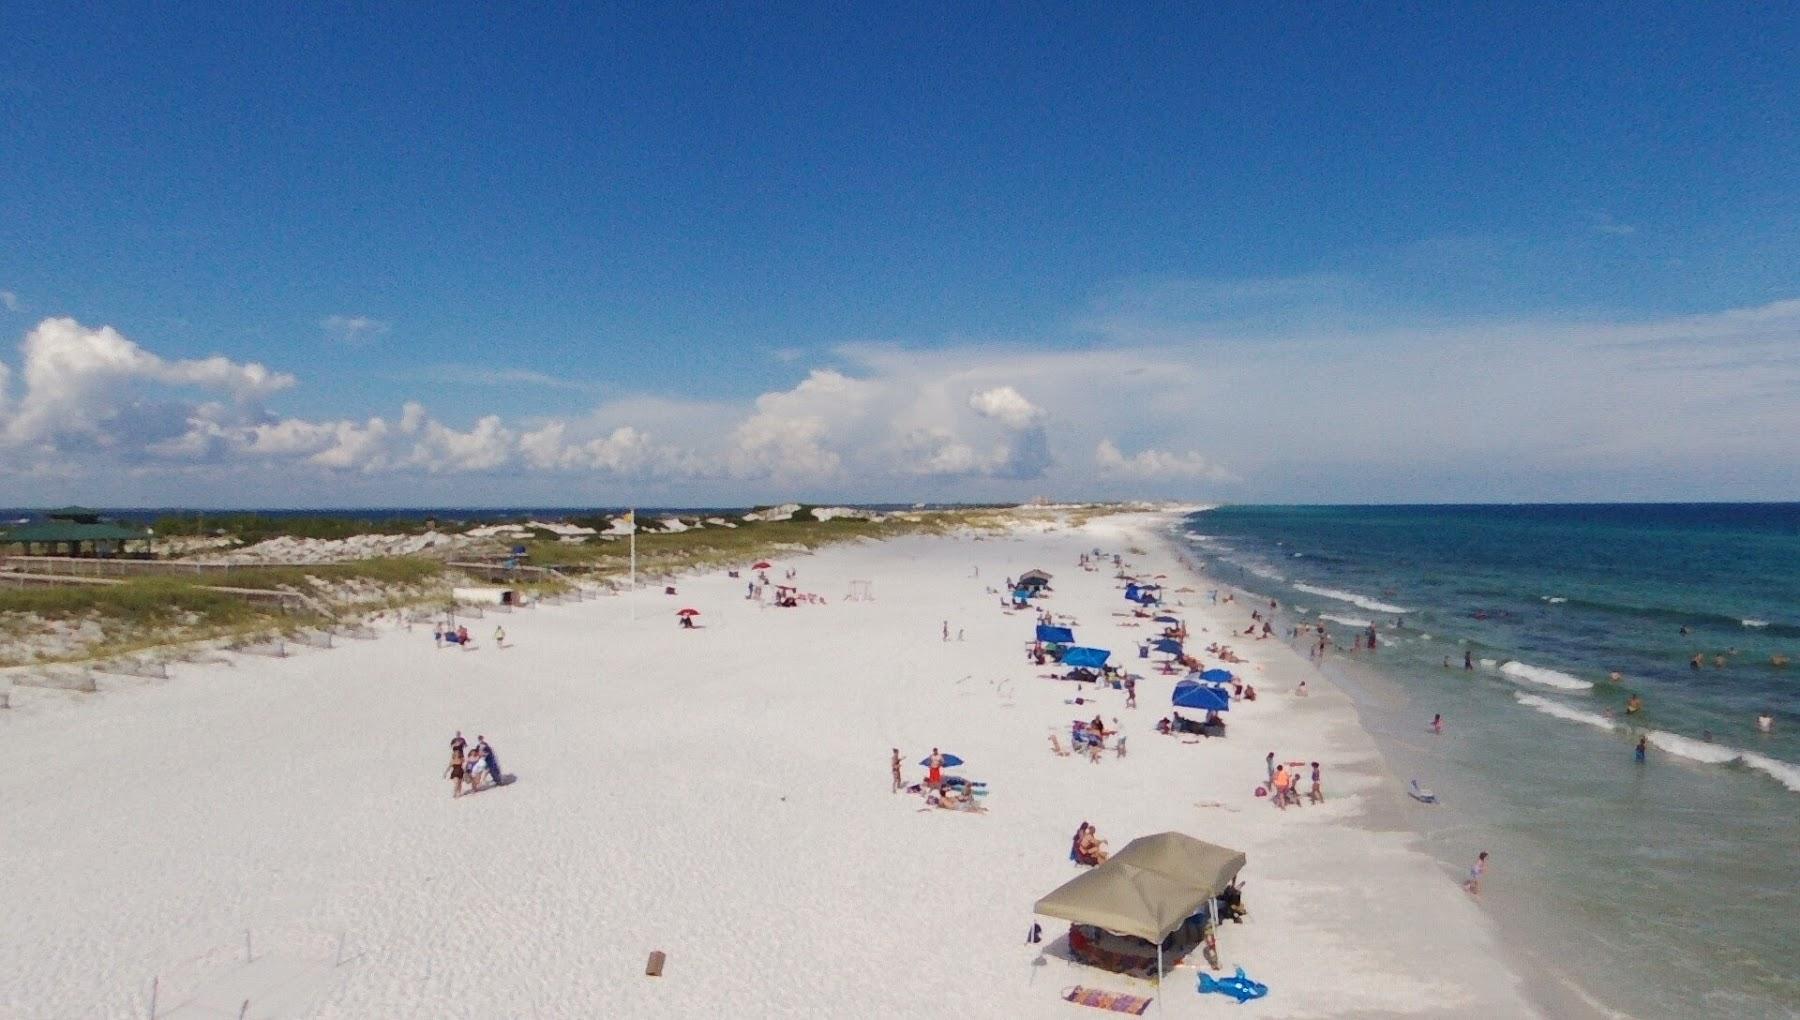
265,973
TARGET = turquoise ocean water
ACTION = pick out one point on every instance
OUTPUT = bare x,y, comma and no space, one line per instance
1669,888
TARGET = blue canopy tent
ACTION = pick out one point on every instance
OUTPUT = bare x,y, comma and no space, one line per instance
1131,591
1200,697
1217,676
1086,658
1055,635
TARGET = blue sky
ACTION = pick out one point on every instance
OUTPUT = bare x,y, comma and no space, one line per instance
798,250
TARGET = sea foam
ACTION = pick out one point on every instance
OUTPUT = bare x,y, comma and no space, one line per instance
1353,598
1783,772
1546,677
1562,711
1754,623
1348,621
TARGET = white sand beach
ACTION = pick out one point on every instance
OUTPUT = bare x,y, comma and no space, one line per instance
720,794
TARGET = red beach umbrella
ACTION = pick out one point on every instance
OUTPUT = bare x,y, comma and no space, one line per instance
760,565
687,612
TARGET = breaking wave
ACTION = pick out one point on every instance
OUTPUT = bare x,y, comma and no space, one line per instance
1562,711
1353,598
1546,677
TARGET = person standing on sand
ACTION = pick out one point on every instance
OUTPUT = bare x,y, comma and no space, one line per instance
934,775
1638,755
1468,659
946,630
1283,783
1476,870
455,771
1270,763
1317,794
894,766
1437,724
1130,691
499,637
488,758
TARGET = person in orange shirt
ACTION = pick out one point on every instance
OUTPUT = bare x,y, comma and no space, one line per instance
1283,782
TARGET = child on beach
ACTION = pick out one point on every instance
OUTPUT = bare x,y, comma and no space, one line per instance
1476,870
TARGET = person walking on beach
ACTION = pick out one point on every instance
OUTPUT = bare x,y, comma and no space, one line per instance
946,630
1437,724
1284,785
1270,763
934,775
894,766
1317,793
1130,691
455,771
457,743
488,758
499,637
1638,754
1476,870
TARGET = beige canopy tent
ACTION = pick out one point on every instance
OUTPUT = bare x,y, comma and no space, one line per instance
1147,889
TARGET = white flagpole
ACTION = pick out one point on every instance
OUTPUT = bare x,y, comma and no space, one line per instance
632,594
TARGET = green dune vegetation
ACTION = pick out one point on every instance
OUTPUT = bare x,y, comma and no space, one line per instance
83,621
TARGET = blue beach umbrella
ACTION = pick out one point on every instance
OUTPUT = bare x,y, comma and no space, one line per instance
1086,658
1217,676
1200,697
950,760
1168,644
1166,619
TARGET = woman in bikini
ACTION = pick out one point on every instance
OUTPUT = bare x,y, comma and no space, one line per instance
455,771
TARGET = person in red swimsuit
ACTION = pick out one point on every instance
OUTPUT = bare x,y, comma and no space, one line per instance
935,777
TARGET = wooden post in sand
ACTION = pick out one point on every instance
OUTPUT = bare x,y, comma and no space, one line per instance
654,967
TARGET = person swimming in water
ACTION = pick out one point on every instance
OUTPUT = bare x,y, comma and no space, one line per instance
1634,705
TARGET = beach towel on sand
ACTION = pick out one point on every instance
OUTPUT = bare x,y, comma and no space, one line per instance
1100,998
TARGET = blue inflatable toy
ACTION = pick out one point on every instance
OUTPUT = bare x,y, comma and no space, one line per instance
1238,986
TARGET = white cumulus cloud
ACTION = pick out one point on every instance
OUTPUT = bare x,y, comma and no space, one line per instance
1157,464
352,329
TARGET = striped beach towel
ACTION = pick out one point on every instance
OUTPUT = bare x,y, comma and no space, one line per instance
1100,998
